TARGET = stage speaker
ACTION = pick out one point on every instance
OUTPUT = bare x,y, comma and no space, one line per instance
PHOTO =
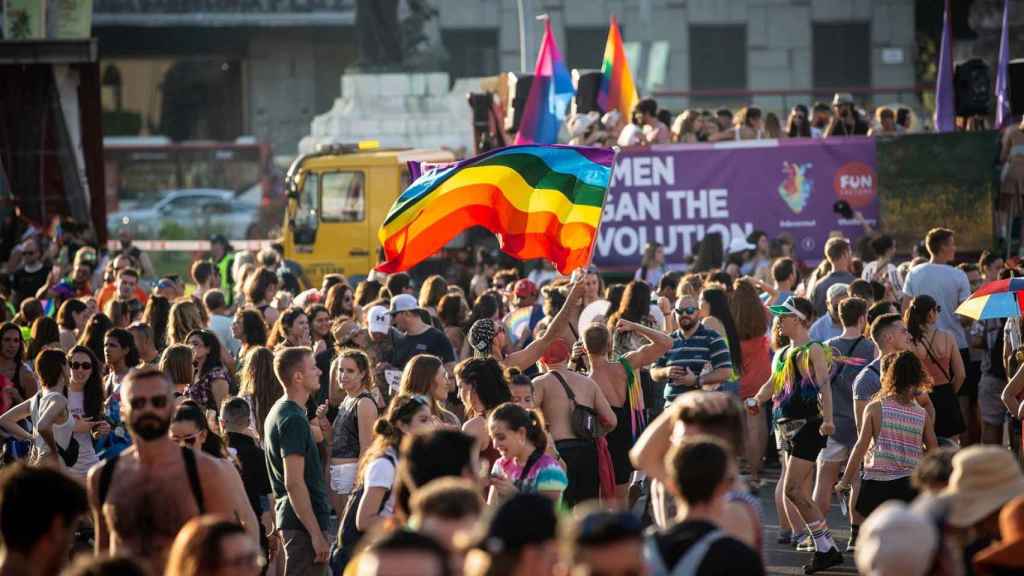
480,103
588,84
1016,70
519,88
972,84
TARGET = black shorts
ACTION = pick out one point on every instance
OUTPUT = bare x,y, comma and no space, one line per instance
972,376
873,493
581,467
807,443
620,440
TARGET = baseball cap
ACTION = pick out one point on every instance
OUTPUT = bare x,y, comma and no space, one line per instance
378,320
525,288
403,303
837,290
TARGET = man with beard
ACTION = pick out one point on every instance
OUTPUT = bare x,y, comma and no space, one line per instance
699,357
143,496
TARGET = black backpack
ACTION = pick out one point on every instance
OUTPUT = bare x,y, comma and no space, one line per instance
348,534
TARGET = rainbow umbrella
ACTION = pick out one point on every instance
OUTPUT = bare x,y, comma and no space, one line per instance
999,299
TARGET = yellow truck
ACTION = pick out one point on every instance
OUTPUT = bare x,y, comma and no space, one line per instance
337,199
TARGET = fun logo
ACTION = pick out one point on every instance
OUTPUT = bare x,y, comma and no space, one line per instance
855,182
796,188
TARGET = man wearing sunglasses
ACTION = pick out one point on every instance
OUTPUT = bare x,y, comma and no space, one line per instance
142,497
699,357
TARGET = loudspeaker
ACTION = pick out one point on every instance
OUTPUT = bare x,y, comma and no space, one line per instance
588,84
519,87
1016,73
972,83
480,103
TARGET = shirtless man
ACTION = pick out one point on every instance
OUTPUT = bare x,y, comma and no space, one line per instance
550,394
612,377
141,498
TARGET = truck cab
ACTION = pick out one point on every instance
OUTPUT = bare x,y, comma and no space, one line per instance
337,199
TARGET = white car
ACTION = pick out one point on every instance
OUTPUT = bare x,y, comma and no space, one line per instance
194,213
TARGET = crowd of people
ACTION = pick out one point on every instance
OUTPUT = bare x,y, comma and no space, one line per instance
233,420
651,124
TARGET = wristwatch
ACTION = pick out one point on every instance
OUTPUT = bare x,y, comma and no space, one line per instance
751,402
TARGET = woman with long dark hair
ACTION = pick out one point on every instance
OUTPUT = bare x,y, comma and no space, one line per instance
121,356
190,429
291,329
940,357
45,334
451,312
635,307
157,314
20,382
715,315
260,290
212,382
482,388
367,291
95,333
259,385
798,125
341,301
85,402
319,327
521,438
250,329
71,319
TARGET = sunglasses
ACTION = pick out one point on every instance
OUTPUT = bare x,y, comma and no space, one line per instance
189,440
687,311
138,403
80,365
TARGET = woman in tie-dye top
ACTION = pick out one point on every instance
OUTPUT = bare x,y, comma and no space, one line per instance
894,430
519,436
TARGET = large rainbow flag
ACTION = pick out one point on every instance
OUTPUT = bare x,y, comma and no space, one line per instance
541,202
617,89
550,95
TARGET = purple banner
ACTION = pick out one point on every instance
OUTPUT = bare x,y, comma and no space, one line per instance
674,195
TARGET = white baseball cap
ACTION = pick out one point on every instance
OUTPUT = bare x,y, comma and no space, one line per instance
403,303
378,320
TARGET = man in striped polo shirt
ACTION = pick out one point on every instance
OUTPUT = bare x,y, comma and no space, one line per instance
699,357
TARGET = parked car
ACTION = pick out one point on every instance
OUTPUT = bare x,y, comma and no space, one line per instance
195,213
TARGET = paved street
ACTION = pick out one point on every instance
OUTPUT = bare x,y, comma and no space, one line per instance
784,559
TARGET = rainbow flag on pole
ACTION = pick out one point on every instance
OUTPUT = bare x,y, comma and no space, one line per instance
541,202
550,95
617,89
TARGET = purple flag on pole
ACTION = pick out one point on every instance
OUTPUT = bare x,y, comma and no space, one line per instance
1002,72
944,113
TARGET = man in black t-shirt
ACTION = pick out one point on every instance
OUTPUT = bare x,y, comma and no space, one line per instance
31,272
235,416
417,336
702,472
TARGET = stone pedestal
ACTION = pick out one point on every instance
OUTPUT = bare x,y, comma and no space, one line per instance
399,110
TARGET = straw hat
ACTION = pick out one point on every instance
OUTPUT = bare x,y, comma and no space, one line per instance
1009,551
984,479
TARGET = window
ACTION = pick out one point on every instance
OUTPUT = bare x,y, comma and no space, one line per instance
305,215
718,58
585,47
842,55
471,52
342,198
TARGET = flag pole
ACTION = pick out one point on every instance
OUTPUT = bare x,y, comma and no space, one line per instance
604,200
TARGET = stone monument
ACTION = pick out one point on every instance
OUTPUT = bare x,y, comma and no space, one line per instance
397,94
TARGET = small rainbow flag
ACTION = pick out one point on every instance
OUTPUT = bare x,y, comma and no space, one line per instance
617,89
541,201
550,95
517,323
